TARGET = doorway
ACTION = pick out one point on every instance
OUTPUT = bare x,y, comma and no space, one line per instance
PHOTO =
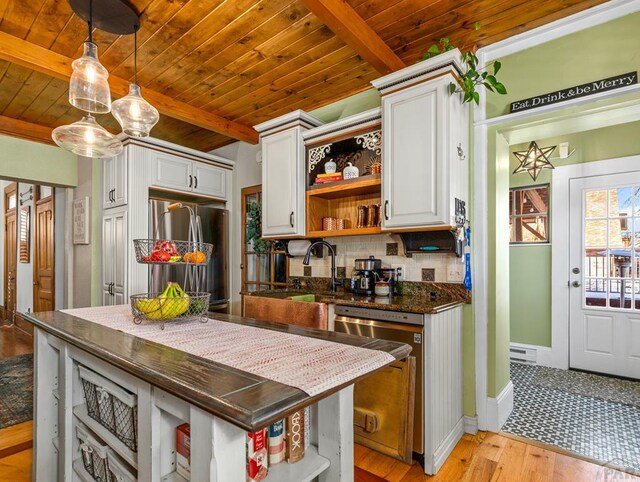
44,251
10,251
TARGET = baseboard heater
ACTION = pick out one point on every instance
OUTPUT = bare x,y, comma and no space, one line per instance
519,354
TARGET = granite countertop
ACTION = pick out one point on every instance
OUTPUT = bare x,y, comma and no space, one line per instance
413,302
248,401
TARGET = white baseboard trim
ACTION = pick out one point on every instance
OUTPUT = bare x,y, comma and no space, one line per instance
499,408
435,463
470,424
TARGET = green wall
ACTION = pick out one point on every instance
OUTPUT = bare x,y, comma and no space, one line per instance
33,161
593,54
530,265
498,370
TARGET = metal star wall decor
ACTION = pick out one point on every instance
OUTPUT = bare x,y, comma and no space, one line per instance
534,159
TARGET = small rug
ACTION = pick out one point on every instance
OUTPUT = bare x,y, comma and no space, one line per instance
590,385
16,390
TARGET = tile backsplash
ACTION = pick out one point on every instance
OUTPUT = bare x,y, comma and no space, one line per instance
447,268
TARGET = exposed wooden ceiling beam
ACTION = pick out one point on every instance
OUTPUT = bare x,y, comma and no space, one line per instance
345,22
25,130
29,55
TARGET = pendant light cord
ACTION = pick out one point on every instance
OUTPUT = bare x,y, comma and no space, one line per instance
90,23
135,55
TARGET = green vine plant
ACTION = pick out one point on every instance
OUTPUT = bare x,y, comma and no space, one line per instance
473,77
254,229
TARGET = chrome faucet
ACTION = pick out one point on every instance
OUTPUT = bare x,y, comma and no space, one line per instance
332,252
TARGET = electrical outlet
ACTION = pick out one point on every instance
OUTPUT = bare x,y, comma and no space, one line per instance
455,273
400,271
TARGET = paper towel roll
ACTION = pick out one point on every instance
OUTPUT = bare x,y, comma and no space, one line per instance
298,247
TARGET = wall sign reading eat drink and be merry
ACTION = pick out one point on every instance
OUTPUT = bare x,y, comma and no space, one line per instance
583,90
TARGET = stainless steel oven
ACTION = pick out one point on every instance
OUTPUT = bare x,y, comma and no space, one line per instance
380,399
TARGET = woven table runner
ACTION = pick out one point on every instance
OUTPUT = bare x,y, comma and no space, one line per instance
309,364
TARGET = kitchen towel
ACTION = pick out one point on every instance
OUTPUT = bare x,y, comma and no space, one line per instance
310,364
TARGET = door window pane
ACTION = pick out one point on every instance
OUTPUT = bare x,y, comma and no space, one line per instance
595,292
620,201
595,234
595,204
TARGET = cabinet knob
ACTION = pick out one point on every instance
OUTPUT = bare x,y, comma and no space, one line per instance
291,219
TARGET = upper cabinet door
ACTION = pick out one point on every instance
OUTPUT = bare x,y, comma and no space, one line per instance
412,163
171,172
114,181
283,186
108,168
120,179
209,180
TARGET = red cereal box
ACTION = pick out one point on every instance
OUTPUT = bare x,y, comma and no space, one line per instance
183,451
257,456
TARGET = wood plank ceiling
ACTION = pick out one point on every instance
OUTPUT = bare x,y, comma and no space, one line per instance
249,60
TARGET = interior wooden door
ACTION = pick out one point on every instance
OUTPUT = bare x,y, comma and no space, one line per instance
43,268
10,250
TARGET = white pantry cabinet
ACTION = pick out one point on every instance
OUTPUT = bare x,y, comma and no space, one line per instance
114,181
184,175
425,145
114,256
283,174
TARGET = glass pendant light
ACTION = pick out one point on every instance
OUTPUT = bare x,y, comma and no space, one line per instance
89,87
136,116
87,138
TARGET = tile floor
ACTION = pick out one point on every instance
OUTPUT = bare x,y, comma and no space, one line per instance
599,429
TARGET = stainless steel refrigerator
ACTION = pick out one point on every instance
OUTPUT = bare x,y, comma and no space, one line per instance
174,226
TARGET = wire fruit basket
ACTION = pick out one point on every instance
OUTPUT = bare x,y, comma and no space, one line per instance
168,252
157,307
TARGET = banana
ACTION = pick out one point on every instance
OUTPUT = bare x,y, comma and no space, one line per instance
172,303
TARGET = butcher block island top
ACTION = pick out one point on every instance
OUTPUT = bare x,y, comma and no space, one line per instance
221,366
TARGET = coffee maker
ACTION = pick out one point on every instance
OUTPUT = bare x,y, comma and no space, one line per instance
365,273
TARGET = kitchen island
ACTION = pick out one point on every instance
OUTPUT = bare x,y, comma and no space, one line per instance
171,386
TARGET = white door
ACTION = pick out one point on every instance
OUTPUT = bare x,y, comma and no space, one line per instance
171,172
412,174
209,180
283,187
605,274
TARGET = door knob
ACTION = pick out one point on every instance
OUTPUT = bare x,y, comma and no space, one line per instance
575,270
576,284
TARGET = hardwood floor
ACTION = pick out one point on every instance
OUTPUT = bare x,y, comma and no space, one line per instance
481,458
14,342
488,457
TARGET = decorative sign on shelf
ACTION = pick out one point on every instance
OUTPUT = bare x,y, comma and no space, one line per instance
583,90
81,221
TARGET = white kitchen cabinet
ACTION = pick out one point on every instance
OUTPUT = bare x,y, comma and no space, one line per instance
114,256
209,180
425,137
184,175
283,174
114,181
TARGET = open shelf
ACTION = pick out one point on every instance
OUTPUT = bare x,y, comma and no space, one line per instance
173,477
344,232
312,465
351,187
81,472
80,411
